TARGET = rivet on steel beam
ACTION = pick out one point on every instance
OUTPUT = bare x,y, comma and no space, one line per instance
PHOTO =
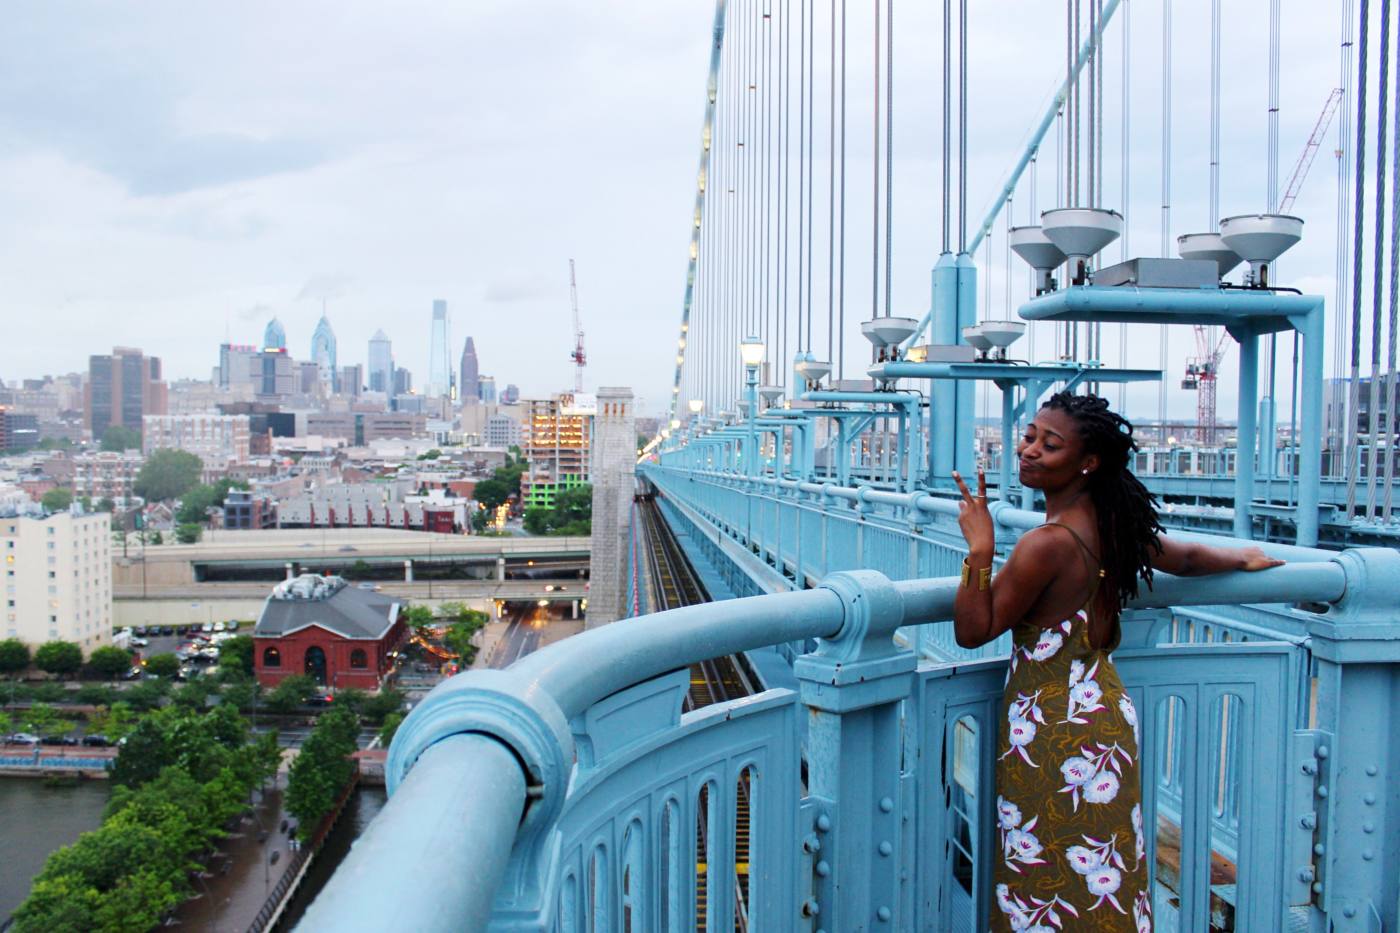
886,805
1368,827
1317,887
1309,767
1306,874
884,914
1322,790
1367,855
811,843
1323,751
1372,770
823,823
886,849
810,908
1319,849
823,868
1348,911
1369,800
1308,821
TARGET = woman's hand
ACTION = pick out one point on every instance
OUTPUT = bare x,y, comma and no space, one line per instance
1252,559
975,520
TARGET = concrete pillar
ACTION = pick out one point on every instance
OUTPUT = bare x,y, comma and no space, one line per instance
614,482
408,571
500,569
288,567
574,607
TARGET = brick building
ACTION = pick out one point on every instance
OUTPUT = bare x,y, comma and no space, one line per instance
341,635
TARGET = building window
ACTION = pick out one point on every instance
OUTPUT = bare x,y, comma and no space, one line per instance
272,657
358,660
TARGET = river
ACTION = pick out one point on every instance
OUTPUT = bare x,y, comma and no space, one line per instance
36,819
362,807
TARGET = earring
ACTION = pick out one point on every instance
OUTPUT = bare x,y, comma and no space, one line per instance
1085,472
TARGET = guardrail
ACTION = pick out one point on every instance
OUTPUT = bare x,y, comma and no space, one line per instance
565,788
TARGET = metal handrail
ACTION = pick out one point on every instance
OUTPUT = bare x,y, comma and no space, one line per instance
486,747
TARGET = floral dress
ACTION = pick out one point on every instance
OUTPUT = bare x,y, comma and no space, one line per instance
1069,804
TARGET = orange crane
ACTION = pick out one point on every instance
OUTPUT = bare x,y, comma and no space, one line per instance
578,355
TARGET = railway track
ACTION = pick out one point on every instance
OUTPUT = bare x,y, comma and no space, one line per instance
716,680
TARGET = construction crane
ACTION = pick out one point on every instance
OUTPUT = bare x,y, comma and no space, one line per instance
1305,161
577,356
1203,369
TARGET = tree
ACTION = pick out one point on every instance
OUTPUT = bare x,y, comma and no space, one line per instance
381,705
167,474
458,640
480,520
14,656
188,533
350,698
155,538
115,721
163,665
290,693
493,493
419,618
236,653
195,504
109,662
390,727
322,768
432,454
57,500
119,437
106,504
59,657
43,720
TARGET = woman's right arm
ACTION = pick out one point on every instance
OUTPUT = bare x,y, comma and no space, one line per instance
1191,559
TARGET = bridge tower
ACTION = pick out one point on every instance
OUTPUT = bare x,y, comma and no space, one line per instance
614,476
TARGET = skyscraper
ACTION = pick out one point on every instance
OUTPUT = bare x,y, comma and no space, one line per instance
323,353
439,369
121,389
274,337
486,387
468,384
381,363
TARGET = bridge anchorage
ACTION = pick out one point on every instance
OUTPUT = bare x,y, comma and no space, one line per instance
798,515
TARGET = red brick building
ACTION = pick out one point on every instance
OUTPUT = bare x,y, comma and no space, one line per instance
341,635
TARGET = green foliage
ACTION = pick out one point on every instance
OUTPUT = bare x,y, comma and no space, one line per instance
43,720
188,533
195,504
106,504
147,694
119,437
49,692
419,618
180,778
322,768
240,693
289,694
59,657
167,474
163,665
378,707
351,698
109,662
56,500
194,694
391,726
356,571
14,656
432,454
96,694
236,653
115,721
154,538
493,492
480,518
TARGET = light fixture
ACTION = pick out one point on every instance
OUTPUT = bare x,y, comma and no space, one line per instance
751,351
697,405
675,423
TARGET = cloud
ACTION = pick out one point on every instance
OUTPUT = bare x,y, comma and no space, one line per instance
324,287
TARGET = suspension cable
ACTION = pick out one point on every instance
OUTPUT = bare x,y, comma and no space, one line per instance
1377,292
1354,419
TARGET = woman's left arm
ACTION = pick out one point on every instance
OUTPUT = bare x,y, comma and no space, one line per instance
1189,559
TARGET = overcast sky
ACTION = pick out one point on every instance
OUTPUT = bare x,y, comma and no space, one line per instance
174,173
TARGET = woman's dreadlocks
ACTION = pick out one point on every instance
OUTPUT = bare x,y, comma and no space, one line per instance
1127,512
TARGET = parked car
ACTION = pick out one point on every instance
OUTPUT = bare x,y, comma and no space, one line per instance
96,741
167,630
207,627
139,643
59,740
139,630
318,700
218,626
233,625
132,674
23,738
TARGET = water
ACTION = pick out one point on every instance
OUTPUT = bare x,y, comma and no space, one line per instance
36,819
362,807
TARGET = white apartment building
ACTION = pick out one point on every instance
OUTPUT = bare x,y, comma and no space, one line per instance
58,579
218,440
103,474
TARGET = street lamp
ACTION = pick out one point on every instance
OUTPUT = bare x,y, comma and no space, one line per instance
751,352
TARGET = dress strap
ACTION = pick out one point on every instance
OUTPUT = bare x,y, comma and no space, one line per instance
1096,569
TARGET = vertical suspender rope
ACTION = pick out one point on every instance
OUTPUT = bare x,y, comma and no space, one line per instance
962,126
774,378
784,181
1127,190
1268,453
1390,387
841,259
947,124
1377,289
875,184
1337,435
802,180
1166,202
811,156
1358,243
831,204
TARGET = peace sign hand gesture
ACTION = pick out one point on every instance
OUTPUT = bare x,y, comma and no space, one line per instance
975,520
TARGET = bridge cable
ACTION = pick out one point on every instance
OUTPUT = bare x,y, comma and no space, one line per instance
889,150
831,205
808,240
962,126
1162,333
1124,129
1354,393
841,260
1377,288
1394,301
1342,268
947,122
1266,462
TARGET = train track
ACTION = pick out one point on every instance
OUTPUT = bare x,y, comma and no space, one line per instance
716,680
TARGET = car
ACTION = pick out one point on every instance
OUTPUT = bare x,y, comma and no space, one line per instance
218,626
233,625
23,738
207,627
347,548
167,630
318,700
132,674
140,642
140,630
59,740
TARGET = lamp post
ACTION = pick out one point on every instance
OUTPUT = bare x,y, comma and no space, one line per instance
751,352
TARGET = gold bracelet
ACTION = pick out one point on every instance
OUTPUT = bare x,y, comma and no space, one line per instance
984,576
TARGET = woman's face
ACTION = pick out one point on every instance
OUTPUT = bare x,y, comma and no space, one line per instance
1051,452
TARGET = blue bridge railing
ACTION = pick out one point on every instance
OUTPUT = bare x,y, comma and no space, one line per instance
569,792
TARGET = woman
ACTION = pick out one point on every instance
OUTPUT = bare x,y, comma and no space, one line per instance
1069,799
